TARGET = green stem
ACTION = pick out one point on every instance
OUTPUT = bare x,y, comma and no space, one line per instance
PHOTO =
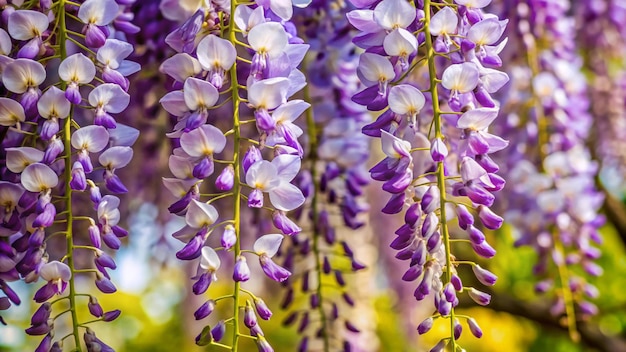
67,135
313,157
232,36
441,177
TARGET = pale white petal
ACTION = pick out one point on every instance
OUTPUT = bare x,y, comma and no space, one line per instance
269,93
200,214
363,20
39,177
262,175
174,103
214,52
287,166
268,38
55,270
91,138
391,14
290,111
209,260
545,84
11,112
111,97
123,135
177,187
405,99
5,43
492,80
203,141
108,210
10,193
77,68
22,74
127,67
98,12
282,8
181,66
462,78
113,52
116,157
487,31
375,68
444,21
268,244
400,42
27,24
18,158
53,104
474,4
391,144
199,94
181,167
477,119
286,197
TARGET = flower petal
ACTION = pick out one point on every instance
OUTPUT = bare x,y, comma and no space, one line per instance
111,97
444,21
462,78
55,270
286,197
11,112
268,244
27,24
181,66
262,175
391,14
268,38
405,99
477,119
113,52
91,138
22,74
53,103
98,12
200,214
77,68
116,157
39,177
199,94
203,141
18,158
209,260
287,165
269,93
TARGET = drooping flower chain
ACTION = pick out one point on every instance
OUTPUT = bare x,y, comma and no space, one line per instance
51,134
333,183
220,88
551,172
600,27
438,161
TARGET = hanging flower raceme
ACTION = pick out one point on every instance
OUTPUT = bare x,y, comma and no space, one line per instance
210,82
551,171
437,145
51,139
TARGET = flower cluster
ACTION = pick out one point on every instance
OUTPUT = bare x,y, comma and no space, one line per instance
52,132
333,182
599,25
438,160
211,80
551,172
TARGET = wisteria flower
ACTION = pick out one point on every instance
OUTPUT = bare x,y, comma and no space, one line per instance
274,178
266,247
57,274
